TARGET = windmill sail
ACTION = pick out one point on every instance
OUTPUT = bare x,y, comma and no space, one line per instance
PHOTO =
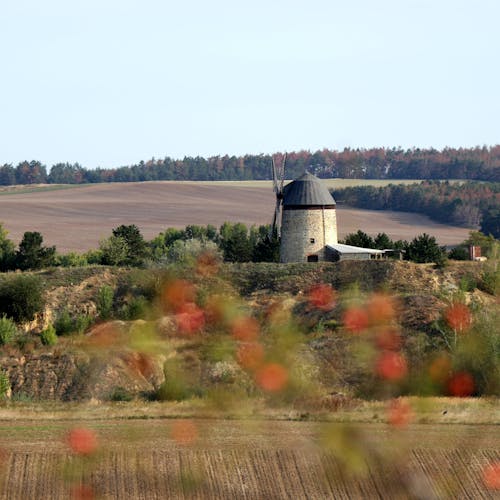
278,180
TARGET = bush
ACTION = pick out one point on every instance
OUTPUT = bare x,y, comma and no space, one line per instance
71,259
121,394
21,297
8,330
64,324
137,308
49,336
4,385
459,253
104,302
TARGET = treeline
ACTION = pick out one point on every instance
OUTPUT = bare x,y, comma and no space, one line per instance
479,163
470,204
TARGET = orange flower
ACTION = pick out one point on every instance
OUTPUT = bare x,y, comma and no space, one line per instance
82,492
184,432
245,329
391,366
461,385
355,319
399,413
176,294
82,441
491,476
439,371
322,296
190,318
250,356
381,308
272,377
458,317
388,339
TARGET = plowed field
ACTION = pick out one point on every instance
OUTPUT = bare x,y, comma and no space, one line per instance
76,218
249,460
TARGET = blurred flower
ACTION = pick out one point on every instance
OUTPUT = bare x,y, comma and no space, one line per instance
207,264
491,476
381,308
272,377
184,432
461,385
82,441
355,319
399,413
250,356
388,339
82,492
189,318
391,366
439,370
176,294
458,316
245,328
322,296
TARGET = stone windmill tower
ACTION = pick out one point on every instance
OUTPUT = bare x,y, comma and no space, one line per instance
308,219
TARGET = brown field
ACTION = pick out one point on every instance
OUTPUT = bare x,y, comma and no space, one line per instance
257,459
75,219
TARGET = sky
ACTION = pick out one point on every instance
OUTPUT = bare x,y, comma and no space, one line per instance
112,82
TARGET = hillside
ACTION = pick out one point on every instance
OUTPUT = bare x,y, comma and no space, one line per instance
127,353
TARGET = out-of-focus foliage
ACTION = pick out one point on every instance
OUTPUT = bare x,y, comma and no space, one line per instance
21,297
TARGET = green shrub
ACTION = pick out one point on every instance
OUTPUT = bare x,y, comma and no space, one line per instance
8,330
71,259
49,336
137,308
121,394
82,322
4,385
104,302
21,297
64,324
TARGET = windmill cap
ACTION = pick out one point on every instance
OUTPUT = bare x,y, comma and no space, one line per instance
307,190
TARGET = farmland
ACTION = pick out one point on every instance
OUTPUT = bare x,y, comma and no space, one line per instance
255,458
76,218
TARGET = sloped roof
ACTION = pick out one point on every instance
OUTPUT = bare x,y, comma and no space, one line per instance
340,248
307,190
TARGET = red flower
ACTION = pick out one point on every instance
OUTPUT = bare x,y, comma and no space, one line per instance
184,432
381,308
461,385
272,377
245,329
82,492
391,366
190,318
250,356
458,317
399,413
491,476
322,296
82,441
355,319
176,294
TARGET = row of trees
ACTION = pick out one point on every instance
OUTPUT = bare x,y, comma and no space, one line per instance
231,242
480,163
470,204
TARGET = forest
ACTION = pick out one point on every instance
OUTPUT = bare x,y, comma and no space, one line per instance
479,163
469,204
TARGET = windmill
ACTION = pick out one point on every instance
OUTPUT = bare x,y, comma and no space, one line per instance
278,179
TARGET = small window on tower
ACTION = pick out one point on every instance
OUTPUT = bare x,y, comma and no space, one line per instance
312,240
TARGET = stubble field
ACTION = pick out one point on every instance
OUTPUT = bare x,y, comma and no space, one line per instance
247,459
77,217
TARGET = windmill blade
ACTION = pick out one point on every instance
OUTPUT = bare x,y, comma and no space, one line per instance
282,176
277,216
275,177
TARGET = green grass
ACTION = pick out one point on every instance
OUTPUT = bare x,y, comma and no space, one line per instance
25,189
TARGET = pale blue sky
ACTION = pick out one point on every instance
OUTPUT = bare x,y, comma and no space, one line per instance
110,82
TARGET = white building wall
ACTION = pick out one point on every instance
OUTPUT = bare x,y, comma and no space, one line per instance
299,227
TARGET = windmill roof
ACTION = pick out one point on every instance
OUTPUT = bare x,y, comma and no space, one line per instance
307,190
